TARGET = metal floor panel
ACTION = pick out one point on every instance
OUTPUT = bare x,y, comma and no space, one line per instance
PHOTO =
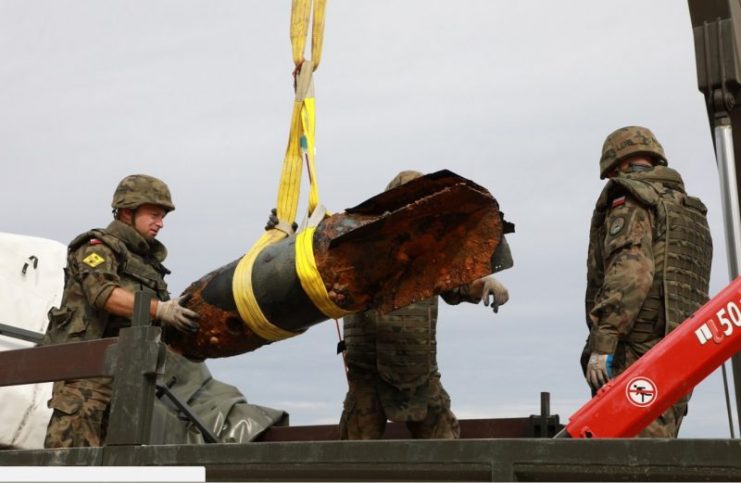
409,460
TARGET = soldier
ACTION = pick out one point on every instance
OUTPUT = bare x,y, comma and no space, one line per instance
104,269
648,266
392,366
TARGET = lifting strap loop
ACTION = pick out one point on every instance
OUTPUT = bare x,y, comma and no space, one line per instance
301,148
311,280
244,296
307,271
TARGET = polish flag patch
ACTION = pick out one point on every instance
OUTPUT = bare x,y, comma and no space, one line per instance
618,201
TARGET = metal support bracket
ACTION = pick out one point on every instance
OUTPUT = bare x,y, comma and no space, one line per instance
135,361
544,425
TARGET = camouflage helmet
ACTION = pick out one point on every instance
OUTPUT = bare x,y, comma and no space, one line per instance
629,141
138,189
403,177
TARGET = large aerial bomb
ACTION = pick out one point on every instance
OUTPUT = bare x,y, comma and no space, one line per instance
425,237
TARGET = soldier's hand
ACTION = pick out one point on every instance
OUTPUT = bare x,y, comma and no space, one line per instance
599,369
494,293
274,221
172,313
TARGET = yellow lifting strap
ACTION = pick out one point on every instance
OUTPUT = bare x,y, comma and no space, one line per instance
307,271
300,11
301,147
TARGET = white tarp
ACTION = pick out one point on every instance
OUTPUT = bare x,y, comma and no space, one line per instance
25,298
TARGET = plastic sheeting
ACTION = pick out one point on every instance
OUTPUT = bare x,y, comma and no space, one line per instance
31,282
221,407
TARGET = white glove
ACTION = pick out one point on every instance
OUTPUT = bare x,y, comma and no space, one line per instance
599,369
496,291
175,315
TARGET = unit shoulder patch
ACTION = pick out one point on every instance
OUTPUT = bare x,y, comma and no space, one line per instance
93,260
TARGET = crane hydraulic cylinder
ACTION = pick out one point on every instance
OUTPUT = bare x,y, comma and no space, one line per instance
423,238
687,355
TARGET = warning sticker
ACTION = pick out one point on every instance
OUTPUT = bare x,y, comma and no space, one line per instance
641,391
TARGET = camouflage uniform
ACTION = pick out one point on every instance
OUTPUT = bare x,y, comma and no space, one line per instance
98,261
648,270
393,372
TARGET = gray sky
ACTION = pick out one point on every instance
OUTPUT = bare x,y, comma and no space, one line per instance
517,96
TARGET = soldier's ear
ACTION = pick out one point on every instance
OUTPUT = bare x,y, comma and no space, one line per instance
125,215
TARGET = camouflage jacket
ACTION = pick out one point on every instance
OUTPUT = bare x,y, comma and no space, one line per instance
99,261
648,266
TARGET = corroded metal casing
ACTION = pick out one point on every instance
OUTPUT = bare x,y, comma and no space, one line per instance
428,236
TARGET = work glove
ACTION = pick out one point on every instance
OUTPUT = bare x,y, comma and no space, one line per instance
494,293
599,369
172,313
273,221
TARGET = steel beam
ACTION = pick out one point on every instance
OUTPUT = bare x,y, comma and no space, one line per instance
34,365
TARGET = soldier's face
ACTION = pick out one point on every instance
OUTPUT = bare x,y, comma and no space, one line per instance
625,164
149,220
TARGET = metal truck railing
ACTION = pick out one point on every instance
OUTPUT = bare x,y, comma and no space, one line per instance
133,360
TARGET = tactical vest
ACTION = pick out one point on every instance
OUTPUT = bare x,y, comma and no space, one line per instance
77,319
682,251
399,346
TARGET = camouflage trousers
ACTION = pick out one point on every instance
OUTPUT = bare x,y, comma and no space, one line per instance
668,423
80,416
364,416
